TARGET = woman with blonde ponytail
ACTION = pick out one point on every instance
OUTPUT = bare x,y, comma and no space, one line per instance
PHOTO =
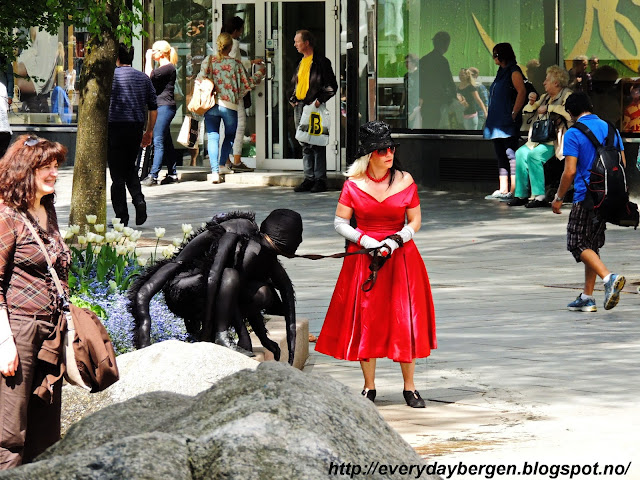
164,81
232,83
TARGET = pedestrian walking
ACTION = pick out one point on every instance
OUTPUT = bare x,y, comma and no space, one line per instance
586,230
231,83
164,82
132,95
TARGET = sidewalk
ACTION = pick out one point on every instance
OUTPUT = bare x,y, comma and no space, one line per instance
516,377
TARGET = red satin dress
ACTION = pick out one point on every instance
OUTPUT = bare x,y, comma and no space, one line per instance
395,319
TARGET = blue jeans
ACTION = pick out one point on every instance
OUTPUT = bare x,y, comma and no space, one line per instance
163,151
212,126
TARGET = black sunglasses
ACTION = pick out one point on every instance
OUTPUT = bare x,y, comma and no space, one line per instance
496,55
383,151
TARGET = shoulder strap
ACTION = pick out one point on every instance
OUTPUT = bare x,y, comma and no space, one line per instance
588,133
611,135
52,271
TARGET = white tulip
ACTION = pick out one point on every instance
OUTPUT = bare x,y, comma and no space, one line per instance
82,240
64,233
115,221
127,231
118,227
110,237
96,249
92,219
121,250
135,236
142,261
91,237
118,236
99,227
176,242
160,232
75,229
187,229
167,252
99,239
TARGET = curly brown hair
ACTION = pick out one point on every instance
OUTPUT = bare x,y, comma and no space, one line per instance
18,167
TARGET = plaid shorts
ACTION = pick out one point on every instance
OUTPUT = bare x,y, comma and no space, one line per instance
585,231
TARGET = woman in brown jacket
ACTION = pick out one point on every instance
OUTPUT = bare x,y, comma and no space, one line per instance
29,306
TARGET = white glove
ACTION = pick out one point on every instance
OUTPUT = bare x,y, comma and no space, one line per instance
406,233
389,247
367,242
347,231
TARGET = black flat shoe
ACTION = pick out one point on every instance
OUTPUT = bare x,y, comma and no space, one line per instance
370,394
537,204
413,399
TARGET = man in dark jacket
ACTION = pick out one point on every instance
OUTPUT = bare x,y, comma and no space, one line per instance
133,101
313,82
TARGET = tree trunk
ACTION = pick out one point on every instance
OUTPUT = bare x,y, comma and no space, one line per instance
89,195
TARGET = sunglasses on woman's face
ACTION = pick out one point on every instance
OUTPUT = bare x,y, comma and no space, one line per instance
383,151
495,55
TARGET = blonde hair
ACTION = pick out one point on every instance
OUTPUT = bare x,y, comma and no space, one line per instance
166,50
224,42
359,166
558,75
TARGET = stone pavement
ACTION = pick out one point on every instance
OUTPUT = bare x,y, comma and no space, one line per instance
516,378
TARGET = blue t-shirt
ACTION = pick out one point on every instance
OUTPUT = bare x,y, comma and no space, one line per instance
576,144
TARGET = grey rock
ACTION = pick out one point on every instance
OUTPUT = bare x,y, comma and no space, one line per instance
273,423
172,366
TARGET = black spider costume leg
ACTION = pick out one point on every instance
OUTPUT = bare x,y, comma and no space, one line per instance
283,283
142,332
140,307
260,296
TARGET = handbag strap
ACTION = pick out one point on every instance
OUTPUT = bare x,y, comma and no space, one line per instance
52,271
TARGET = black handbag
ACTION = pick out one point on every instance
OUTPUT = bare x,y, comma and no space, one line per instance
543,131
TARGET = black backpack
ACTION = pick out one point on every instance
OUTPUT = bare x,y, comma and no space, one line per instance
607,187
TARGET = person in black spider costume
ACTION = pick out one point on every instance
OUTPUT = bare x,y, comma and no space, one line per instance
227,272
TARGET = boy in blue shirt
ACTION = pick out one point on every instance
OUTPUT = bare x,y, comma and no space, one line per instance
585,230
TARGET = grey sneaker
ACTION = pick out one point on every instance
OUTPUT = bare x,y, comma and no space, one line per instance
149,181
494,196
580,305
612,290
506,197
223,170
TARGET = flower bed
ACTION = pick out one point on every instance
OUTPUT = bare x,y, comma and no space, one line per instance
103,266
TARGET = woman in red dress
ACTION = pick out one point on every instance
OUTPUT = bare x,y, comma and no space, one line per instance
394,319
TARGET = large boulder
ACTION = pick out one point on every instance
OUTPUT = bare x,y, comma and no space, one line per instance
171,366
275,422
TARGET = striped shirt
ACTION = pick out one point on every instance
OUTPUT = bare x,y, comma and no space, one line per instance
132,93
25,284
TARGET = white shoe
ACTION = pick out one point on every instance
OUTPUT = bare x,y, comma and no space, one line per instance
215,178
224,170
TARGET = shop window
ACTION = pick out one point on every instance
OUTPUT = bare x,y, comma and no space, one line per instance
45,75
605,36
430,51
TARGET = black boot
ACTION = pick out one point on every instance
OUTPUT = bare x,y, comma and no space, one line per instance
413,399
222,339
141,213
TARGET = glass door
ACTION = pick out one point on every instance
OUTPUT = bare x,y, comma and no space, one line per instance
269,31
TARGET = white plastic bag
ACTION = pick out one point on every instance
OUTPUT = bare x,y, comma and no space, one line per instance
314,125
